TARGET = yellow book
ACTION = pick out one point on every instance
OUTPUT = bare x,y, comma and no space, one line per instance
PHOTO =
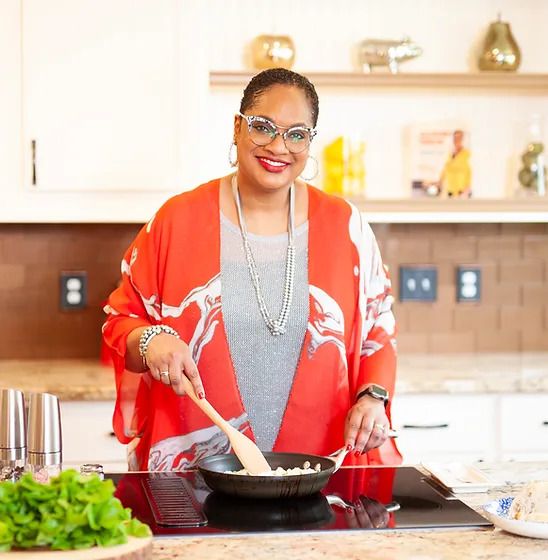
344,167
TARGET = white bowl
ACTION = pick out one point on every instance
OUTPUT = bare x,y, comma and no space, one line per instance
497,512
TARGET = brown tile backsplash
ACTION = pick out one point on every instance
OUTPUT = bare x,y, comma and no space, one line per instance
32,257
512,314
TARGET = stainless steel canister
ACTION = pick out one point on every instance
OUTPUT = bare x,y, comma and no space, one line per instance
44,439
13,434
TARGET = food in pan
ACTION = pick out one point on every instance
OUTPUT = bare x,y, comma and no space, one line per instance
280,471
531,504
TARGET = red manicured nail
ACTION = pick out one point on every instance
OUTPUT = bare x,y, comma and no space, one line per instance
357,453
201,395
349,447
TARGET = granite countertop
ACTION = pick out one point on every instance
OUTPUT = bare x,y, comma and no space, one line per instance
473,373
477,544
70,380
417,373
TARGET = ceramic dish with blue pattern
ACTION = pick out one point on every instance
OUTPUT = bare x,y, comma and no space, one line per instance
497,512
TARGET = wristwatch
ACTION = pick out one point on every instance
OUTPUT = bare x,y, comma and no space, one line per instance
376,391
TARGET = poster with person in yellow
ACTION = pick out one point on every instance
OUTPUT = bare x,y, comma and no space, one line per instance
456,177
439,160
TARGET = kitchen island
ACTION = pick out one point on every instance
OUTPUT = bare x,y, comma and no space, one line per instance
474,544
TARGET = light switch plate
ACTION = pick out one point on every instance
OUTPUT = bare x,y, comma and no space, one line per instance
418,283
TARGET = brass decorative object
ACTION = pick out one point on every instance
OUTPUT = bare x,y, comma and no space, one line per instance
273,51
532,176
386,52
500,50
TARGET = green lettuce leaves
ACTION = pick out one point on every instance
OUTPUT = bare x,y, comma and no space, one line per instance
71,512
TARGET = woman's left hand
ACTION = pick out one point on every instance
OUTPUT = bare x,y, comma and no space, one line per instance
366,425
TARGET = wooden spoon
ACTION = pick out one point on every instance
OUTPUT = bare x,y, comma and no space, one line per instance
249,454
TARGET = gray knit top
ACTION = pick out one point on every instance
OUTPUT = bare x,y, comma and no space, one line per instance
264,364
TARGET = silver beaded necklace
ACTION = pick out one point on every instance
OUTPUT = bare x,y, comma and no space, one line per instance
275,326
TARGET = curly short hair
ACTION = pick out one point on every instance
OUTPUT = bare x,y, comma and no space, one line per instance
266,79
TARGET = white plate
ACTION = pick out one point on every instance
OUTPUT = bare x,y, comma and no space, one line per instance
459,477
497,512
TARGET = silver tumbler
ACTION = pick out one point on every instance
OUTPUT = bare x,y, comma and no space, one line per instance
13,434
44,439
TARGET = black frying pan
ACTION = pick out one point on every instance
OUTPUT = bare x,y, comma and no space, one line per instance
214,469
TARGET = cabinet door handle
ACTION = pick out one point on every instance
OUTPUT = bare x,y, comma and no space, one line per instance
424,426
545,423
33,150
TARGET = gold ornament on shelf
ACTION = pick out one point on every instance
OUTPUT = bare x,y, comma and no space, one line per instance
273,51
500,50
532,175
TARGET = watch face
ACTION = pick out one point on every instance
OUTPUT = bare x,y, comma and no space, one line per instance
378,392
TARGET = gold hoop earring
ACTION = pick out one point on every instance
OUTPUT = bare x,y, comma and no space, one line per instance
233,155
314,174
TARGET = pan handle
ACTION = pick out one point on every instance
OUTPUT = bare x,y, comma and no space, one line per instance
337,501
392,506
338,457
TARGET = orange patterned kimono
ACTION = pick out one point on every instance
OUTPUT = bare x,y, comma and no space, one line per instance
171,275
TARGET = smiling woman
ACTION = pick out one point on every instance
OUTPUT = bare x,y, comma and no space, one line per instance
269,295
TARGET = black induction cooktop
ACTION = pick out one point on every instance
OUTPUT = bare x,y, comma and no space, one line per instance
373,498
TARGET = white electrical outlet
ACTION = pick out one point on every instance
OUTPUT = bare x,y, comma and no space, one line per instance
73,292
468,283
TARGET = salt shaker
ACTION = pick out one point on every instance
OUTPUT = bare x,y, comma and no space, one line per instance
12,434
44,437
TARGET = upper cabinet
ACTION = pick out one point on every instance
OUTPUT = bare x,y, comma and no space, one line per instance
99,103
100,95
10,96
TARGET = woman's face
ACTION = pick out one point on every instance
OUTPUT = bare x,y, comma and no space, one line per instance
273,166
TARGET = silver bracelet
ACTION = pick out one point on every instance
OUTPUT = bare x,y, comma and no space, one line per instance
148,334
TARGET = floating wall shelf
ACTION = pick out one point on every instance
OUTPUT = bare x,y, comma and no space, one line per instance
507,82
418,210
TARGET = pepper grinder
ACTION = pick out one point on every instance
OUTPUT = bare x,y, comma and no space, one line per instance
44,437
13,433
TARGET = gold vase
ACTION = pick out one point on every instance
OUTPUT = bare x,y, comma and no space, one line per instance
500,50
273,51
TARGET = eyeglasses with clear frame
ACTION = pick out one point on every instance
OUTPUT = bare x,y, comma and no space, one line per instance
263,131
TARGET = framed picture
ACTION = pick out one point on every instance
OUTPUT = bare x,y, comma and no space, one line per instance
439,160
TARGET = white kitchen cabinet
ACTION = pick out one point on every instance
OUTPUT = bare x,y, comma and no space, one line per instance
87,435
438,427
524,427
10,99
467,428
101,105
100,94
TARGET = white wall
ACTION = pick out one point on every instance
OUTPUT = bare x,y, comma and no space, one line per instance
325,33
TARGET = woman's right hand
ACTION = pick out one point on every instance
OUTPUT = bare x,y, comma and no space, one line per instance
169,358
367,514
